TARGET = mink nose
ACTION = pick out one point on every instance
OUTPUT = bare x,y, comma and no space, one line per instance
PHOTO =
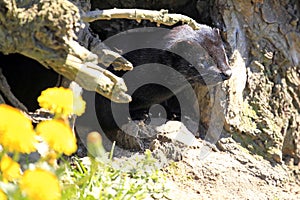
226,74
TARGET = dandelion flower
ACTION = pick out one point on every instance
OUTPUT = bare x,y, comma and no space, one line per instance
10,169
39,184
16,130
61,101
2,195
58,135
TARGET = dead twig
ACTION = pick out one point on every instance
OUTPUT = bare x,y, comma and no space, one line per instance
160,17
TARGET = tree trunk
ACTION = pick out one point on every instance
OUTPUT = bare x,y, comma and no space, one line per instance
264,102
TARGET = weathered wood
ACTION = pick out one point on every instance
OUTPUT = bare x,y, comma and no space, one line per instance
105,56
160,17
46,31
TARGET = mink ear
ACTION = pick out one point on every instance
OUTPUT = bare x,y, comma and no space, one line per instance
180,44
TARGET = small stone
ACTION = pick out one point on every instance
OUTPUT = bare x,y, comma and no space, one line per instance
177,131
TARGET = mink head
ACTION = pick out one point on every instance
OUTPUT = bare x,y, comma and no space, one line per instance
210,40
197,46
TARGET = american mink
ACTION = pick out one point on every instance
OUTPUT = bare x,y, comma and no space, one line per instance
194,56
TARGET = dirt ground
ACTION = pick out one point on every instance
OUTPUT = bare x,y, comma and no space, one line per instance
222,171
231,174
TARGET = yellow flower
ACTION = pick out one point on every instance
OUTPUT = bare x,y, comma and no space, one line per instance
10,169
16,130
94,144
58,135
2,195
61,101
40,184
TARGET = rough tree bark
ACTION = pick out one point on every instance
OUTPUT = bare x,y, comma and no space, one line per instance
264,100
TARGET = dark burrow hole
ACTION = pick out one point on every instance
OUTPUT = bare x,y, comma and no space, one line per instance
27,78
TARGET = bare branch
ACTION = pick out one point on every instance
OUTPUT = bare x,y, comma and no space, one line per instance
160,17
5,89
105,55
